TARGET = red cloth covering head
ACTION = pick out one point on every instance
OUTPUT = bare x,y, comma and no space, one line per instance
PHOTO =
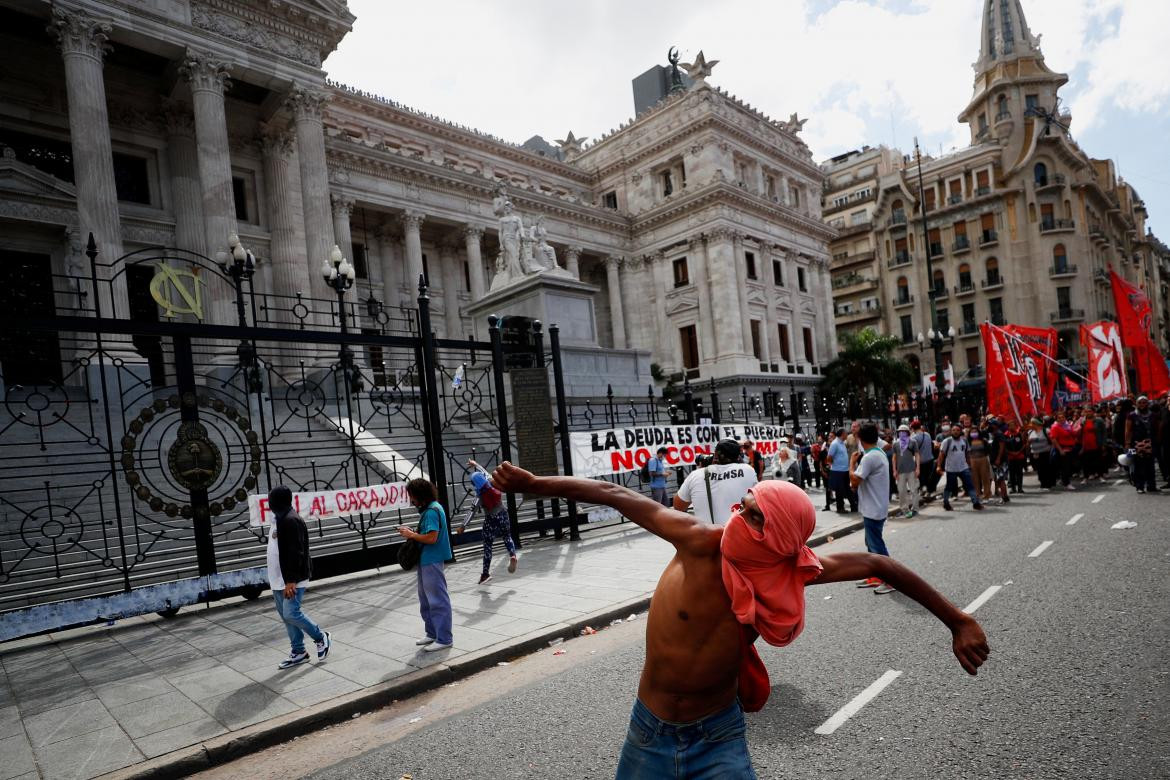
765,573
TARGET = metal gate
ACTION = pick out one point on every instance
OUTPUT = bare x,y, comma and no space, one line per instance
128,452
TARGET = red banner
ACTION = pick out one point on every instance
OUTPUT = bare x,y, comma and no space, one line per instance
1133,311
1153,378
1107,377
1021,370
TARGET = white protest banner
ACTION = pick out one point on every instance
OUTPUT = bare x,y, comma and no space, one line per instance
328,504
617,450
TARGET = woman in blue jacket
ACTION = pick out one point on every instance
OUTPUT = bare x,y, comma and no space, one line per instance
433,599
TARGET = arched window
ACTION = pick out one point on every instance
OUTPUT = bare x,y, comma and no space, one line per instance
993,277
940,283
965,282
898,209
1059,259
1040,173
903,290
1001,107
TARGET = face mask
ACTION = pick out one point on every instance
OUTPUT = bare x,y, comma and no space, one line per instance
903,437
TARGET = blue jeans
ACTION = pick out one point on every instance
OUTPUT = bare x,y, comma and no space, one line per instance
873,536
296,622
433,602
714,747
952,488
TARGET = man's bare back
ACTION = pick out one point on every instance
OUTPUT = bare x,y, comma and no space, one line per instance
693,639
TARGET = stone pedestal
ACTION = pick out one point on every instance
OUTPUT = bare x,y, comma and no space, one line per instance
554,299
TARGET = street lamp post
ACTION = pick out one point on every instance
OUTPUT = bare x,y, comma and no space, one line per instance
240,264
936,336
339,274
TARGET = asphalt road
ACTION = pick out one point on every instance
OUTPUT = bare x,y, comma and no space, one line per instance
1077,685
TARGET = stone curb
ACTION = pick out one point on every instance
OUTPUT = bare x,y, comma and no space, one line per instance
251,739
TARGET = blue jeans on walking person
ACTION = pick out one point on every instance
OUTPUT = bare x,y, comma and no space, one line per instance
873,536
433,601
714,748
296,622
952,488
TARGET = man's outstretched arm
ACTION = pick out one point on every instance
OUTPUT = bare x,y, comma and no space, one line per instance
969,642
680,529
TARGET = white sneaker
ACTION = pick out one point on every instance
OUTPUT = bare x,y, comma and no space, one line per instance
426,640
436,646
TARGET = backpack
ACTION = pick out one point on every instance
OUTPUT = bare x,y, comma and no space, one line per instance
644,472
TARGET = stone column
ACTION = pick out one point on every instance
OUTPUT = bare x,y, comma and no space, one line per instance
342,236
82,41
290,274
305,105
411,226
740,299
725,311
572,259
825,323
668,342
616,318
450,276
391,269
208,79
473,236
186,189
700,274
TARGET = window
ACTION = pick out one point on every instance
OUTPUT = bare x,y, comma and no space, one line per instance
972,357
982,123
770,185
857,217
903,290
940,283
907,329
936,248
682,276
993,272
794,196
240,198
996,307
1059,259
466,275
690,347
1001,107
862,194
982,183
930,199
667,184
901,252
955,190
609,200
357,253
809,354
965,282
1031,102
785,348
426,271
898,211
1063,298
755,328
800,280
968,316
778,273
987,225
840,200
749,259
1040,174
132,180
944,319
1047,217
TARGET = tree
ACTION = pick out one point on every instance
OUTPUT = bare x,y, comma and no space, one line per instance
867,365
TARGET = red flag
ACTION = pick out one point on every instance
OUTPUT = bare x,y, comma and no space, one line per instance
1107,377
1133,311
1153,378
1021,375
1071,386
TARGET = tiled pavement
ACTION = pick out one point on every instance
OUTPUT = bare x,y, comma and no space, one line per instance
91,701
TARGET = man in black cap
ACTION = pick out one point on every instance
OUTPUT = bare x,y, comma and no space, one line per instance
289,570
714,489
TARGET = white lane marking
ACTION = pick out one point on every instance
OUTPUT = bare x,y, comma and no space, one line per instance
1036,553
1074,518
859,701
1098,499
1119,482
983,598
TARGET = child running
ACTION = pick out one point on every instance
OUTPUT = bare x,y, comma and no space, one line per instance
725,586
495,520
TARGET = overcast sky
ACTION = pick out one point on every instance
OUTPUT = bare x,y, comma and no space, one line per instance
862,72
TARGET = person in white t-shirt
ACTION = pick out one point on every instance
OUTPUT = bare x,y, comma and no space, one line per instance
713,490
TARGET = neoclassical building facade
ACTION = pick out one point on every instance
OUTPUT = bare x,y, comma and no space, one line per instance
180,122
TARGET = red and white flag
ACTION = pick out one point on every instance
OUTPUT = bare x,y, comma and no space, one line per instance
1021,370
1135,314
1107,377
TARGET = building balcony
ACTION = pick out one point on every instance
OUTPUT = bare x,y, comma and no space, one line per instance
989,238
899,259
993,282
1054,182
862,315
852,283
961,244
1003,116
964,288
1050,225
1101,276
954,200
939,294
844,259
903,300
1067,315
982,191
898,220
1062,269
1097,233
936,250
969,328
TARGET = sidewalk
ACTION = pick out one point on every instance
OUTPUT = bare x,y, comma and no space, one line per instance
164,698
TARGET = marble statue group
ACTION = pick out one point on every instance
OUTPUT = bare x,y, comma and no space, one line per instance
524,249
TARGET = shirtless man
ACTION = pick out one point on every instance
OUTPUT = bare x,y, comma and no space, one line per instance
687,720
